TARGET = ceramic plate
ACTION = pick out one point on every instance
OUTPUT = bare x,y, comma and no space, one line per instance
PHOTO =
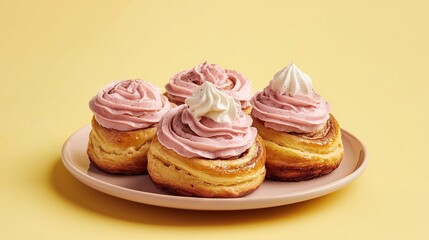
269,194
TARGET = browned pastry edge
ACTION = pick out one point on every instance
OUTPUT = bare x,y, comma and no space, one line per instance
180,182
191,191
298,157
296,174
119,152
247,110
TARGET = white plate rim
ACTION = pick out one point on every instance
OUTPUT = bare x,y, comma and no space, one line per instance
193,203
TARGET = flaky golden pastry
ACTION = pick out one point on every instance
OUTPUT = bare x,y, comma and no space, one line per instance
297,157
247,110
200,177
119,152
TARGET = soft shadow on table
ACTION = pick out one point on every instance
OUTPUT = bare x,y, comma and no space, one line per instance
78,193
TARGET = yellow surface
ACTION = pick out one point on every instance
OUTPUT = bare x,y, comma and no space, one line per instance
368,58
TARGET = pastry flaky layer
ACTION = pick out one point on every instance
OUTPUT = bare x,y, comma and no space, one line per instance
212,178
119,152
297,156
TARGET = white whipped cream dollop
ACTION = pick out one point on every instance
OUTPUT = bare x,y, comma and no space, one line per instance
207,101
292,81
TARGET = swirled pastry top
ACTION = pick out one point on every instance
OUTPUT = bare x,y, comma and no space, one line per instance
182,84
129,105
218,128
290,104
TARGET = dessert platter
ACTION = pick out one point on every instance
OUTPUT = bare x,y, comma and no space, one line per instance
208,144
271,193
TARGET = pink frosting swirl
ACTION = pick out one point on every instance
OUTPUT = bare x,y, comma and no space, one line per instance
181,132
129,105
283,112
182,84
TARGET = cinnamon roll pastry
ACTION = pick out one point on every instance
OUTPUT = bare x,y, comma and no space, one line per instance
301,156
123,125
202,177
207,148
182,84
119,152
303,140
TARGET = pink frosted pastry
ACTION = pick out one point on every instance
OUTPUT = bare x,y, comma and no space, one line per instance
125,117
302,138
207,148
182,84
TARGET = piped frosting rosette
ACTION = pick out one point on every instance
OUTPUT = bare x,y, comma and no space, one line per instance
129,105
290,104
182,84
210,125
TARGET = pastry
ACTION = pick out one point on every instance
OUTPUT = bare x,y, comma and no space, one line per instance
123,125
302,138
207,148
182,84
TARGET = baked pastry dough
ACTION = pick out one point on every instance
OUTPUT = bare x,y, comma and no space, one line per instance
213,178
119,152
124,124
301,156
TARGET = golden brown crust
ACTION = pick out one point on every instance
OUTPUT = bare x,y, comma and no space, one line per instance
247,110
119,152
297,157
200,177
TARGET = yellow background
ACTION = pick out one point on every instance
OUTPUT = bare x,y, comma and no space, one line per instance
369,59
